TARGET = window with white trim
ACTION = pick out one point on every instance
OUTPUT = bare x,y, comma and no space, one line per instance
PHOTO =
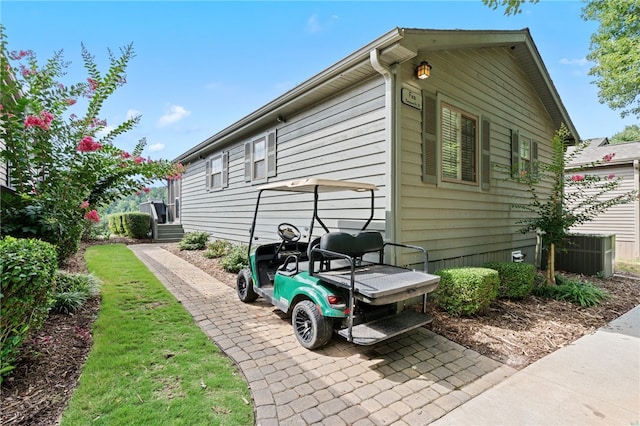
459,142
217,171
524,154
260,157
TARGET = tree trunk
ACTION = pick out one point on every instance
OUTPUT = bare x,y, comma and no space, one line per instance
551,265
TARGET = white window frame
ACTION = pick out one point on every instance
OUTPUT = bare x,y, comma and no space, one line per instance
259,166
460,157
217,166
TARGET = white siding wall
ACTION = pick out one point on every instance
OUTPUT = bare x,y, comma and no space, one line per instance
621,220
462,224
342,138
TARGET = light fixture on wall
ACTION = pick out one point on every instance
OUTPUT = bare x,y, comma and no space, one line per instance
424,70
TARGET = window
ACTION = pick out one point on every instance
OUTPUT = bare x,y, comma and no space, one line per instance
459,145
260,158
217,172
524,154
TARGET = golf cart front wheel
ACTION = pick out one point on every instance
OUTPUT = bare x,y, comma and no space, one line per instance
244,286
311,328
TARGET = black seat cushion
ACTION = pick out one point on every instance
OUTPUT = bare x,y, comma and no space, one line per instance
353,246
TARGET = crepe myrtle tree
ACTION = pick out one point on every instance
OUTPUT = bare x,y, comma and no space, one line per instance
574,198
63,163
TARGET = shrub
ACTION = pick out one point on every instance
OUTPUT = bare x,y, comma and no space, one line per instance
217,248
27,267
114,220
466,291
73,290
516,279
194,241
236,259
577,292
136,224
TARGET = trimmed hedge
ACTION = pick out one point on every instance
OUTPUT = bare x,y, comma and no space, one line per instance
516,279
136,224
27,267
113,220
466,291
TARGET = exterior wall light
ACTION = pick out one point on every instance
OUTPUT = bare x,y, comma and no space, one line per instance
424,70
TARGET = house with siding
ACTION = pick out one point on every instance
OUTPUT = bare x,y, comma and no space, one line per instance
433,146
623,221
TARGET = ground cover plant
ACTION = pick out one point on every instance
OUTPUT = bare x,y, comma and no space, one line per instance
150,364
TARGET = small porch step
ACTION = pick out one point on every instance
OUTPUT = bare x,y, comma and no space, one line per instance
385,328
169,233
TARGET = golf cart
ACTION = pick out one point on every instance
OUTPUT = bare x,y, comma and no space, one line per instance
336,281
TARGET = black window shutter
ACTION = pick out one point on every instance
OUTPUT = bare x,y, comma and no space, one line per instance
247,162
515,153
225,169
271,154
207,174
486,154
429,125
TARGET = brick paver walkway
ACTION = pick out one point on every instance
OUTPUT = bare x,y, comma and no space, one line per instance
411,379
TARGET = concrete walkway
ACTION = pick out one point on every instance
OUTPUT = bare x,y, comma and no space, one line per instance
413,379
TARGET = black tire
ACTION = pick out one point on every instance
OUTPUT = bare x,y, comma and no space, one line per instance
244,286
311,328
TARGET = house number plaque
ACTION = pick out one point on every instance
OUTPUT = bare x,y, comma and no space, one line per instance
411,98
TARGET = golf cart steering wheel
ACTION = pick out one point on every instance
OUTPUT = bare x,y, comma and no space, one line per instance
288,232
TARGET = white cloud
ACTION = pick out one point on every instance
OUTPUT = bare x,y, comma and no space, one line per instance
314,24
133,113
580,61
173,115
156,147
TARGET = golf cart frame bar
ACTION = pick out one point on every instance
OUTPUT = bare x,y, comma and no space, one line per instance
314,186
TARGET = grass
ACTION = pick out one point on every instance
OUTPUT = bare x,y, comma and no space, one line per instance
150,364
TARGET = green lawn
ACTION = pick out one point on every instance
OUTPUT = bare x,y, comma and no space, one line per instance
150,364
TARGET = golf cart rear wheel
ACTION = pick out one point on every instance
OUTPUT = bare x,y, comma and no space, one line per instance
311,328
244,286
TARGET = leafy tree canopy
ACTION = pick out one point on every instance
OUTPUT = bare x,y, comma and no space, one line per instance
615,49
629,134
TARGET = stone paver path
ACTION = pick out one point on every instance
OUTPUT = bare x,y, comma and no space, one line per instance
411,379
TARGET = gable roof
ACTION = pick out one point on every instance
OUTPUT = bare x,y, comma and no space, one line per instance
625,153
395,47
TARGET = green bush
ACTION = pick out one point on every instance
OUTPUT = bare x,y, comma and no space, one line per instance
217,248
236,259
466,291
194,241
27,267
73,290
114,220
136,224
516,279
577,292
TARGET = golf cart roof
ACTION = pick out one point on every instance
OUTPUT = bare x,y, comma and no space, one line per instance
323,185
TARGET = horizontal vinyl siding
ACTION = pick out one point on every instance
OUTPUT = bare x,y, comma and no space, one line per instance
461,224
341,138
620,220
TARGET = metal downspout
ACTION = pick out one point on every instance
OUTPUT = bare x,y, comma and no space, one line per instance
636,178
391,200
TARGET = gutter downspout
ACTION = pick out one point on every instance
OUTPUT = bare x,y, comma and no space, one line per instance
392,182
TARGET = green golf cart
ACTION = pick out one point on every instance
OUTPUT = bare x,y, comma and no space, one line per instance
336,281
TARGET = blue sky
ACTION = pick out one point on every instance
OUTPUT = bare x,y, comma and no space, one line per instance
201,66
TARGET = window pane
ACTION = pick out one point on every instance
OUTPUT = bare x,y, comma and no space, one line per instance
259,169
216,165
450,144
459,145
525,154
468,149
259,150
216,180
